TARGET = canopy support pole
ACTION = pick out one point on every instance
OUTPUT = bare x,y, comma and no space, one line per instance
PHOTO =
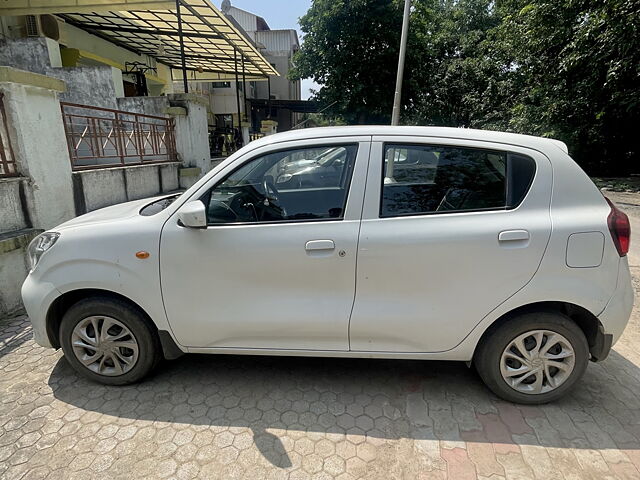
269,97
244,88
245,104
235,59
185,81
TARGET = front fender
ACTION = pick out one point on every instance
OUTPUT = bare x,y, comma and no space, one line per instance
141,284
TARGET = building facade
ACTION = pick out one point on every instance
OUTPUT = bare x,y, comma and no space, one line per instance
97,71
278,48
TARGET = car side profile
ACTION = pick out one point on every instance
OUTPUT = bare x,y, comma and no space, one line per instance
429,243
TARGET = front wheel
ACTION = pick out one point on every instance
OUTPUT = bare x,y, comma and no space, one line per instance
534,358
108,341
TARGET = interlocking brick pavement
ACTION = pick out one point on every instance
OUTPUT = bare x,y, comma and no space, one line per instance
232,417
260,417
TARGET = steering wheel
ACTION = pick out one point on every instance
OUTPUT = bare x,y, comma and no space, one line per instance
271,198
270,191
213,204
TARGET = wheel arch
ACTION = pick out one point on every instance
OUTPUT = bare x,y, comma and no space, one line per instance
583,318
61,305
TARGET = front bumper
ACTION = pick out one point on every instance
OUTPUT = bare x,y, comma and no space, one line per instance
37,298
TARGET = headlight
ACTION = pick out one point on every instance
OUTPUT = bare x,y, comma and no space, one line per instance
39,246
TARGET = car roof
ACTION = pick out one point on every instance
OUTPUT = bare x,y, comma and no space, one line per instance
536,143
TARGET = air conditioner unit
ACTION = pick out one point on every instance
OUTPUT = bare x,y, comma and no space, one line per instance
42,26
32,25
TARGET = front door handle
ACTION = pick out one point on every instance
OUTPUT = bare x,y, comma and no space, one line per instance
315,245
513,236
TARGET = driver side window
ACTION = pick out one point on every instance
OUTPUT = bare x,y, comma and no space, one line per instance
288,185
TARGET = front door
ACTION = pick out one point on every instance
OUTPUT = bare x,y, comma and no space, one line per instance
450,230
275,269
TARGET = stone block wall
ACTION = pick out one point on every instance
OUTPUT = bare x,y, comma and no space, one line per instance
97,188
47,192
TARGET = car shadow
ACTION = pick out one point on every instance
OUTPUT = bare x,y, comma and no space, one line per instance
387,399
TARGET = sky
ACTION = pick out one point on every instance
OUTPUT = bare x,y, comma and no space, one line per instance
279,14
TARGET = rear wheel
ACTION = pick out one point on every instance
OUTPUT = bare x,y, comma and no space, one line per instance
534,358
108,341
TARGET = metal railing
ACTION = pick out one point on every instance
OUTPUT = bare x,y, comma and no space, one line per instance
102,137
7,160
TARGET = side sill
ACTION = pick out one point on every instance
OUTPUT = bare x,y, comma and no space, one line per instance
452,355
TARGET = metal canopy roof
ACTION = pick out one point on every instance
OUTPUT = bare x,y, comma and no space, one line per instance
40,7
211,42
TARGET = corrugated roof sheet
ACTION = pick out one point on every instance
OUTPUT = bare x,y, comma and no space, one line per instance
38,7
211,42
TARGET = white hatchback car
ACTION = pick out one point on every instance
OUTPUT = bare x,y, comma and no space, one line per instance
379,242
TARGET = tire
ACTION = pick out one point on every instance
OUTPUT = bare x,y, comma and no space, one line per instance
492,358
130,347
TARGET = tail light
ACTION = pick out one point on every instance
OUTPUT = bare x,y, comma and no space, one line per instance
620,229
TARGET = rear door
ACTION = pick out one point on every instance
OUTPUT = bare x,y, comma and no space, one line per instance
450,230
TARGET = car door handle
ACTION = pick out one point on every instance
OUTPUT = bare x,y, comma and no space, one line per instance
315,245
513,236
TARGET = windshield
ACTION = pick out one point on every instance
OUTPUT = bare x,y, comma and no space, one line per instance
158,205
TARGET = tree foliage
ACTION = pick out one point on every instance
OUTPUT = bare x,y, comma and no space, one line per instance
567,69
348,49
577,72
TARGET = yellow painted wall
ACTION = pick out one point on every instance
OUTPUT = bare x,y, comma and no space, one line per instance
11,27
110,54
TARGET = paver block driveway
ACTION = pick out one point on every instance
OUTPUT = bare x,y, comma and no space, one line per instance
253,417
261,417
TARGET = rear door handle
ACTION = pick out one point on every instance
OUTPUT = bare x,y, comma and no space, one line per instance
315,245
513,236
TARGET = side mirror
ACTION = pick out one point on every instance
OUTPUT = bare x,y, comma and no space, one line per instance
193,215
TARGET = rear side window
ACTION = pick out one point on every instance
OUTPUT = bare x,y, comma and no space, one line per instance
521,171
424,179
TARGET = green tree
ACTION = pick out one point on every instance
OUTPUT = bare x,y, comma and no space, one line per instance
567,69
312,120
453,81
350,48
576,67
